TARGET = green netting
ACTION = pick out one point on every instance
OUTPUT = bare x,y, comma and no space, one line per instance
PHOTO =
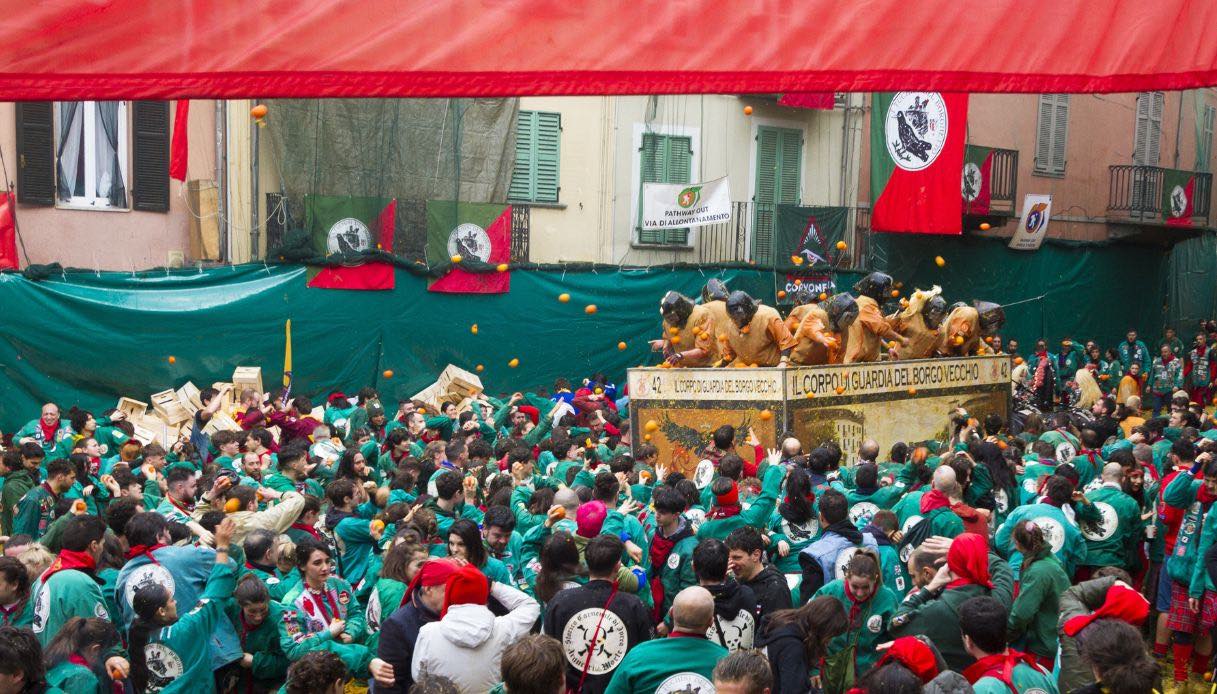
85,338
1094,291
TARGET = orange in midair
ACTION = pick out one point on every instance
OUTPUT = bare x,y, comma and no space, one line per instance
258,111
172,359
747,110
621,346
766,415
388,373
590,309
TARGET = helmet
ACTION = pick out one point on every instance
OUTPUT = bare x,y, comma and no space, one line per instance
876,285
934,311
715,290
957,304
842,311
992,317
741,307
676,308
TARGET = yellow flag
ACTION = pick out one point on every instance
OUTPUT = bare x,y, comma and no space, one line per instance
287,356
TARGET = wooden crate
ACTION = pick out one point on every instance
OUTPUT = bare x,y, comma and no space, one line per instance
189,395
133,408
220,422
454,379
142,433
168,407
429,397
230,395
247,377
156,429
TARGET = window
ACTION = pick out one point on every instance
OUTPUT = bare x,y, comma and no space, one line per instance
1148,134
91,154
1050,135
664,159
1204,137
535,177
779,163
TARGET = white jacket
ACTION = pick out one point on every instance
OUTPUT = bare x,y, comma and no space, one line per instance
467,644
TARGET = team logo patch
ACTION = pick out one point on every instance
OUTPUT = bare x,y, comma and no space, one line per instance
800,532
1036,217
915,129
689,197
737,633
344,597
610,646
842,561
1001,500
164,665
875,623
348,235
674,561
1105,527
42,608
862,512
1178,201
146,575
970,186
1065,452
373,611
1054,532
469,241
99,611
685,683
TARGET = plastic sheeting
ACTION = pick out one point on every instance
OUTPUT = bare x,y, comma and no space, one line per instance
151,49
1082,291
82,338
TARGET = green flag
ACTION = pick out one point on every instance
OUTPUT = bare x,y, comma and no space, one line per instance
1178,187
350,227
809,234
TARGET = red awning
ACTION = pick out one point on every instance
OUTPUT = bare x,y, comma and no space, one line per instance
75,49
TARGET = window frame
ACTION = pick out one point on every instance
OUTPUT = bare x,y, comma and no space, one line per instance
1050,168
641,129
89,126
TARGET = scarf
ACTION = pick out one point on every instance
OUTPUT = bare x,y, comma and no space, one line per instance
855,605
933,500
144,550
847,530
308,529
999,666
48,430
915,655
1092,456
968,559
1041,370
70,560
661,547
187,509
264,568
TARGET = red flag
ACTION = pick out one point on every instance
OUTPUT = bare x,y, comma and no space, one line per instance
371,275
823,101
460,281
8,233
178,147
917,148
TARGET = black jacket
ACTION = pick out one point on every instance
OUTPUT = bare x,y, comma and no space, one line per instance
787,659
573,614
398,634
771,590
735,618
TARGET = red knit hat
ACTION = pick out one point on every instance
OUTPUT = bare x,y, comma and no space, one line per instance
434,572
589,519
915,655
533,413
467,586
730,497
1122,603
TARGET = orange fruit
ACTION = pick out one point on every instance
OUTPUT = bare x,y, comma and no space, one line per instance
766,415
621,346
840,389
984,226
1019,360
781,294
79,506
232,505
559,512
388,373
895,293
513,363
457,259
746,329
841,245
673,331
564,297
912,391
474,328
958,339
798,282
646,437
590,309
377,525
823,296
501,267
258,111
810,395
172,359
939,261
675,339
796,259
747,110
651,425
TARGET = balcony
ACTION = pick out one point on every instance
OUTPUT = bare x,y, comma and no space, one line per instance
1153,201
1003,188
749,238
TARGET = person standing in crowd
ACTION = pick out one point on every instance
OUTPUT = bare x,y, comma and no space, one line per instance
1165,377
998,668
1133,351
797,639
745,672
684,661
1041,583
745,548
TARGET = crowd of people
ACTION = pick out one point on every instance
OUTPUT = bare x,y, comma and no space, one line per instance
536,544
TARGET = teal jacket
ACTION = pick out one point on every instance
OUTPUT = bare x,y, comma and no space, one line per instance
1034,612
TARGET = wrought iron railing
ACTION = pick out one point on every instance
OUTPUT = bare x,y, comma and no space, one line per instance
1137,193
749,237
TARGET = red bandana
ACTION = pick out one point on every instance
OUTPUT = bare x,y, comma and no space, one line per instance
968,559
934,499
999,666
144,550
308,529
67,560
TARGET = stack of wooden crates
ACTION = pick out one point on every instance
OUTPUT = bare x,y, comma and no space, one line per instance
172,413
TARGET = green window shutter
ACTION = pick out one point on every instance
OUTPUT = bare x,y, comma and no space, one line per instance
652,165
545,160
522,183
791,150
767,148
679,162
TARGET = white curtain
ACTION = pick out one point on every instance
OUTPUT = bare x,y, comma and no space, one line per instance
109,175
71,124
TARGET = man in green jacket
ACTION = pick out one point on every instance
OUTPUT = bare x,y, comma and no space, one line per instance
1165,377
726,515
682,662
1112,540
46,431
18,483
998,668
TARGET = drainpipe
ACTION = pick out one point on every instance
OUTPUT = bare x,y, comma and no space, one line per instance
221,177
254,207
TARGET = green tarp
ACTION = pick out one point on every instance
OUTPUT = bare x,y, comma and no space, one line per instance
85,339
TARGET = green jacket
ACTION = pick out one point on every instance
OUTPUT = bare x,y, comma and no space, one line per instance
757,515
303,626
183,649
1034,612
1084,598
270,662
680,663
1181,565
15,487
937,616
796,535
32,430
868,627
1112,540
71,677
1165,377
1023,677
1066,540
864,505
34,512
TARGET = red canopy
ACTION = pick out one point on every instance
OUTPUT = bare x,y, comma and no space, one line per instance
76,49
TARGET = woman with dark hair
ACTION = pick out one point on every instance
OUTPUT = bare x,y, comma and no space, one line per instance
1116,654
465,542
264,664
21,661
88,486
401,563
171,653
16,608
794,526
1042,581
532,513
996,473
75,658
560,568
1111,370
869,606
328,616
795,641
